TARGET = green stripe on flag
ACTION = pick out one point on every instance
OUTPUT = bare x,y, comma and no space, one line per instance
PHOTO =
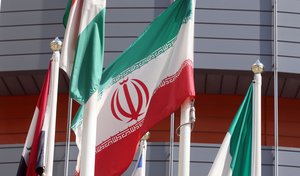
155,40
241,137
88,62
67,12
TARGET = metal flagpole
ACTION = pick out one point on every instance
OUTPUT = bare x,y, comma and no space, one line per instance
55,46
141,170
186,121
144,152
257,69
275,69
67,150
171,162
88,148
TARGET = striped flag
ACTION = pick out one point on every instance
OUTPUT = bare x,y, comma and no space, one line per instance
82,52
83,49
76,126
144,85
33,156
234,157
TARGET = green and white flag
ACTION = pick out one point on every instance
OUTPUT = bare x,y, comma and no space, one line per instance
235,155
83,47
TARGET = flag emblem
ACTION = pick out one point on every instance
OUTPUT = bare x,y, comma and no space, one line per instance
135,96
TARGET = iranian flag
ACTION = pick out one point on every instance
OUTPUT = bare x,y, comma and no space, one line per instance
144,85
33,156
235,155
83,48
82,60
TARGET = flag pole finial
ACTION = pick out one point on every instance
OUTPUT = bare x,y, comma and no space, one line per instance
56,44
146,136
257,67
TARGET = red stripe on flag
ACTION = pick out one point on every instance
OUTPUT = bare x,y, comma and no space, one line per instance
115,159
41,105
169,98
73,2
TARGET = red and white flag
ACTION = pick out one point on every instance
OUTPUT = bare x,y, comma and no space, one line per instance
144,85
33,156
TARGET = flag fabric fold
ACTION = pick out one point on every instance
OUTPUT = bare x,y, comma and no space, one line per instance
83,49
234,156
76,126
145,84
33,156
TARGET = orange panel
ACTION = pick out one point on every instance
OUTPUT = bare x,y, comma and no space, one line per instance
214,115
16,114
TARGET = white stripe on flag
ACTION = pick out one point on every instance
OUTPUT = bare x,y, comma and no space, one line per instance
234,156
144,78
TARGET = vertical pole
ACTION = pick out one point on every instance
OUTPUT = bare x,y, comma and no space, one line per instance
257,69
67,150
185,139
88,148
171,162
144,152
275,69
55,46
140,167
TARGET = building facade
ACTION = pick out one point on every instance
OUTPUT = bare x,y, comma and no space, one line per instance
230,35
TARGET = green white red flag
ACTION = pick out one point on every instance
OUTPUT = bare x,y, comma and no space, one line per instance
83,48
144,85
82,56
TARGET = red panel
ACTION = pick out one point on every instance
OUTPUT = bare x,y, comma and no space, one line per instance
214,115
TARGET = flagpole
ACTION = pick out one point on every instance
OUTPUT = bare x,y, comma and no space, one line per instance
275,69
144,152
88,147
257,69
171,162
55,47
185,137
67,150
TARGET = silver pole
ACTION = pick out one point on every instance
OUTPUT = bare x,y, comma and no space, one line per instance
185,139
275,68
257,68
50,141
171,161
67,150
